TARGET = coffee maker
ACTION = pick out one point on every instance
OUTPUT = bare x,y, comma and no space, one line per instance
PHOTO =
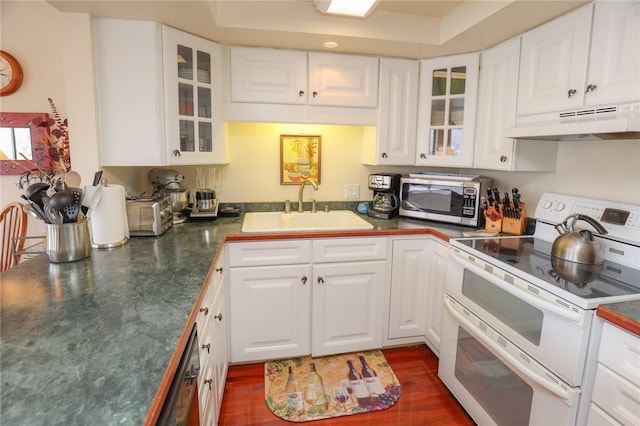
386,190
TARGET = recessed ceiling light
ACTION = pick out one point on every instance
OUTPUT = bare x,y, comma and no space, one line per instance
330,44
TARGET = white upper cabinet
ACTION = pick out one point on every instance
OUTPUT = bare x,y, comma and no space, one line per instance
343,80
560,70
150,113
194,120
130,97
395,140
268,75
497,111
614,65
553,64
264,75
447,111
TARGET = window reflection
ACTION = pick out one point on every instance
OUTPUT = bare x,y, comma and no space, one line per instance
15,143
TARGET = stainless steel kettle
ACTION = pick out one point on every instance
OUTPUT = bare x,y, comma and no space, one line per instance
578,245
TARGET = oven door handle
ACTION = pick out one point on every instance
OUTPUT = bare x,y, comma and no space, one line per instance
506,357
521,294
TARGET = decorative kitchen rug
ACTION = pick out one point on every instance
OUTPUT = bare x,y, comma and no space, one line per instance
306,389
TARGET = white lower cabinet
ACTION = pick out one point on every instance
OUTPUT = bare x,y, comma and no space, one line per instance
270,312
211,324
417,291
347,307
436,277
293,303
616,390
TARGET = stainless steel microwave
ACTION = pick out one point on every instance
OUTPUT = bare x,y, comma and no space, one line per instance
443,197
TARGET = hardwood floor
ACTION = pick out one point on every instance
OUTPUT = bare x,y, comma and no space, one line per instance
425,399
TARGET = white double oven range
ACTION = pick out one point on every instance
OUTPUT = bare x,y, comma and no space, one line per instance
520,336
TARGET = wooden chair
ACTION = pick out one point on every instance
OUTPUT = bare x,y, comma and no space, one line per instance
13,229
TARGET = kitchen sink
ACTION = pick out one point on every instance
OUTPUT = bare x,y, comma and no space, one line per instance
337,220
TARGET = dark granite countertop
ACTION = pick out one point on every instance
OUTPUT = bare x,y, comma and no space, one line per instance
88,342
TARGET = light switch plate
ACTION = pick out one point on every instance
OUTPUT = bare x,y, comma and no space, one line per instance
352,191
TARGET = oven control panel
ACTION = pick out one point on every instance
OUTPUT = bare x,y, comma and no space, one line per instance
619,219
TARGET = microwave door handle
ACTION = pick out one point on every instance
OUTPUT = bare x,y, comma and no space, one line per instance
521,294
506,357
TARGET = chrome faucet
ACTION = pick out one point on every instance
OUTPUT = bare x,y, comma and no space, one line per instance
304,182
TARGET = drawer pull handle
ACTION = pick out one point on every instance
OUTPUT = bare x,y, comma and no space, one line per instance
320,280
219,269
571,92
218,317
209,382
205,310
207,347
304,279
301,93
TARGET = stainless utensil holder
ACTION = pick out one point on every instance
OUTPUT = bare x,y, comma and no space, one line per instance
68,242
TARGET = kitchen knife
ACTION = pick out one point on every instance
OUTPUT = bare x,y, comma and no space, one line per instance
516,201
496,194
489,196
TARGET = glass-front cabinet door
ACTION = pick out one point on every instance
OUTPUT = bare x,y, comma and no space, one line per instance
193,120
447,110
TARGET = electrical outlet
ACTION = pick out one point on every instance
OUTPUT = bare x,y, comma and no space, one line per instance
352,191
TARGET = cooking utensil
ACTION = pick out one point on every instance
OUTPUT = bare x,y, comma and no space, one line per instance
72,179
72,210
578,245
61,201
36,191
36,209
96,178
31,212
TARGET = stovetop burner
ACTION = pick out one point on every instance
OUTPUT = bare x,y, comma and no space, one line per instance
532,256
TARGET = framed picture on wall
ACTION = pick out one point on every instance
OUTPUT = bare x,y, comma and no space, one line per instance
299,158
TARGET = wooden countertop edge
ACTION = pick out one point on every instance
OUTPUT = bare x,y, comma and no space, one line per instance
335,234
158,401
618,319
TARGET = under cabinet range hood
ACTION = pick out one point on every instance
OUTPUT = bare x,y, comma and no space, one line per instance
613,122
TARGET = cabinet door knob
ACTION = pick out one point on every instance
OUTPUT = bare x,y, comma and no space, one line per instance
503,158
176,153
219,269
384,155
209,382
423,156
320,280
590,88
304,279
205,310
218,317
315,94
207,347
571,92
301,93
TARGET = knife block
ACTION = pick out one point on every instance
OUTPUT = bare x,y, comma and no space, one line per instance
495,224
515,226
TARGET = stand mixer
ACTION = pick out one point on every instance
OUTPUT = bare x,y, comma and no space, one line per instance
167,182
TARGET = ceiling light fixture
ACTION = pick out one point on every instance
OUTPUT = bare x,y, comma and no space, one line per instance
357,8
330,44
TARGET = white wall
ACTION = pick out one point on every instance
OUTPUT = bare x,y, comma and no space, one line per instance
33,32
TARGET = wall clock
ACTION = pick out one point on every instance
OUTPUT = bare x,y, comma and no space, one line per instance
10,74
